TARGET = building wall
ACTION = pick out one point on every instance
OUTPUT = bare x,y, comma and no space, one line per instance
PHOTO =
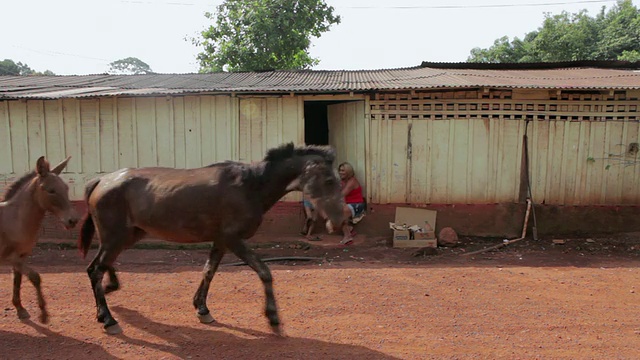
466,147
267,122
106,134
439,147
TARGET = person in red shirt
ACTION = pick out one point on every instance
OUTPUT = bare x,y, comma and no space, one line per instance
354,208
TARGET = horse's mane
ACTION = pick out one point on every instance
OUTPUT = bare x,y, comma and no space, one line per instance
17,185
287,151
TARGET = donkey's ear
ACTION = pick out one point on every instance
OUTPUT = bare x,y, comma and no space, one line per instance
58,169
42,166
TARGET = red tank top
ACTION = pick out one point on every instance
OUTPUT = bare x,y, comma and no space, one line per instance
354,196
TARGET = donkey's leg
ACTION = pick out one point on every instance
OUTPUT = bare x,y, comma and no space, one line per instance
17,302
34,277
200,298
240,249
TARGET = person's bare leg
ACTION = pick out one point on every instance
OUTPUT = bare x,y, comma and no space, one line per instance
346,228
309,219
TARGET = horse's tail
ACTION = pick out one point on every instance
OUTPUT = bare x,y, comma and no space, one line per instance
88,228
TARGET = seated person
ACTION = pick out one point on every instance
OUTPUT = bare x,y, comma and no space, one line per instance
354,208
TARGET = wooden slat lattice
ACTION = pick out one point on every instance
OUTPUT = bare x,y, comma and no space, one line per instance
501,104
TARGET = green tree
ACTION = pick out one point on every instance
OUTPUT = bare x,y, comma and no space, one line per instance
129,66
9,67
620,31
614,35
502,51
565,37
251,35
631,56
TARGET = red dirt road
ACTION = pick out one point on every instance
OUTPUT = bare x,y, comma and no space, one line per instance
530,300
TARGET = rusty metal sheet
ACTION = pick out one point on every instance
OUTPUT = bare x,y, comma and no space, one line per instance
319,81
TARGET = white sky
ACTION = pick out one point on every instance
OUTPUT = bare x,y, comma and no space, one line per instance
84,36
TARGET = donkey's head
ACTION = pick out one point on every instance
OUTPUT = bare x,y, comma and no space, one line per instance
322,186
52,193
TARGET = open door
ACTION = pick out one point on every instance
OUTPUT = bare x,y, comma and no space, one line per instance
346,123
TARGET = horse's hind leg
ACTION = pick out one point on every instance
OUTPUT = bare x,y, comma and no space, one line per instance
112,242
240,249
20,268
96,271
17,302
114,283
200,297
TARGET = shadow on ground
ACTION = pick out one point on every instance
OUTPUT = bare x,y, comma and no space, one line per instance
217,341
50,346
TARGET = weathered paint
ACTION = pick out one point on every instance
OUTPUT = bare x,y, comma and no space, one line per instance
267,122
347,134
106,134
437,148
452,148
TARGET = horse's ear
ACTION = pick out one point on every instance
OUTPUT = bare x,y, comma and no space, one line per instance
42,166
58,169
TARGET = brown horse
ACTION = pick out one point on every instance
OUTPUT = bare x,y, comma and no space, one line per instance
21,212
223,202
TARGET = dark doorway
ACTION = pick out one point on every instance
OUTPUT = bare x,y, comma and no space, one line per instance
316,126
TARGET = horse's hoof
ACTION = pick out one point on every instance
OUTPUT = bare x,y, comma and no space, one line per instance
113,329
23,314
111,288
206,318
277,330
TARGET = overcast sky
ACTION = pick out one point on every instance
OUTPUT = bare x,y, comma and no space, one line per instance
84,36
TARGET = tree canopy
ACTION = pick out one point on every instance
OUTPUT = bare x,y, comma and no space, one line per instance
612,35
10,67
129,66
252,35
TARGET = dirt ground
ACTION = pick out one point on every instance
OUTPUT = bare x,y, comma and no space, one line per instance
527,300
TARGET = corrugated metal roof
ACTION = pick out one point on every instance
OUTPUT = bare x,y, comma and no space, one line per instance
429,75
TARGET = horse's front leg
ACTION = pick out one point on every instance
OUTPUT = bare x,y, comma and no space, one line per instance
200,298
241,250
20,268
17,302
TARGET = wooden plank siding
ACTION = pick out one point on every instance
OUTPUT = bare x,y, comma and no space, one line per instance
267,122
419,147
346,123
448,147
105,134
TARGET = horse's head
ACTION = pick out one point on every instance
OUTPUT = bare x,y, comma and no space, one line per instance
52,193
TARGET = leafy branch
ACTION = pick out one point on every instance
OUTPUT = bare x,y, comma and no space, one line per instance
628,157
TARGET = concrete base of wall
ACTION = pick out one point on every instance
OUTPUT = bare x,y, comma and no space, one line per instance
495,220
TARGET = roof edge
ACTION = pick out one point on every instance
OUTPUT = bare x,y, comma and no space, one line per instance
604,64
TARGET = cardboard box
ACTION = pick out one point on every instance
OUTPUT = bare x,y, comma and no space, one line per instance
424,219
